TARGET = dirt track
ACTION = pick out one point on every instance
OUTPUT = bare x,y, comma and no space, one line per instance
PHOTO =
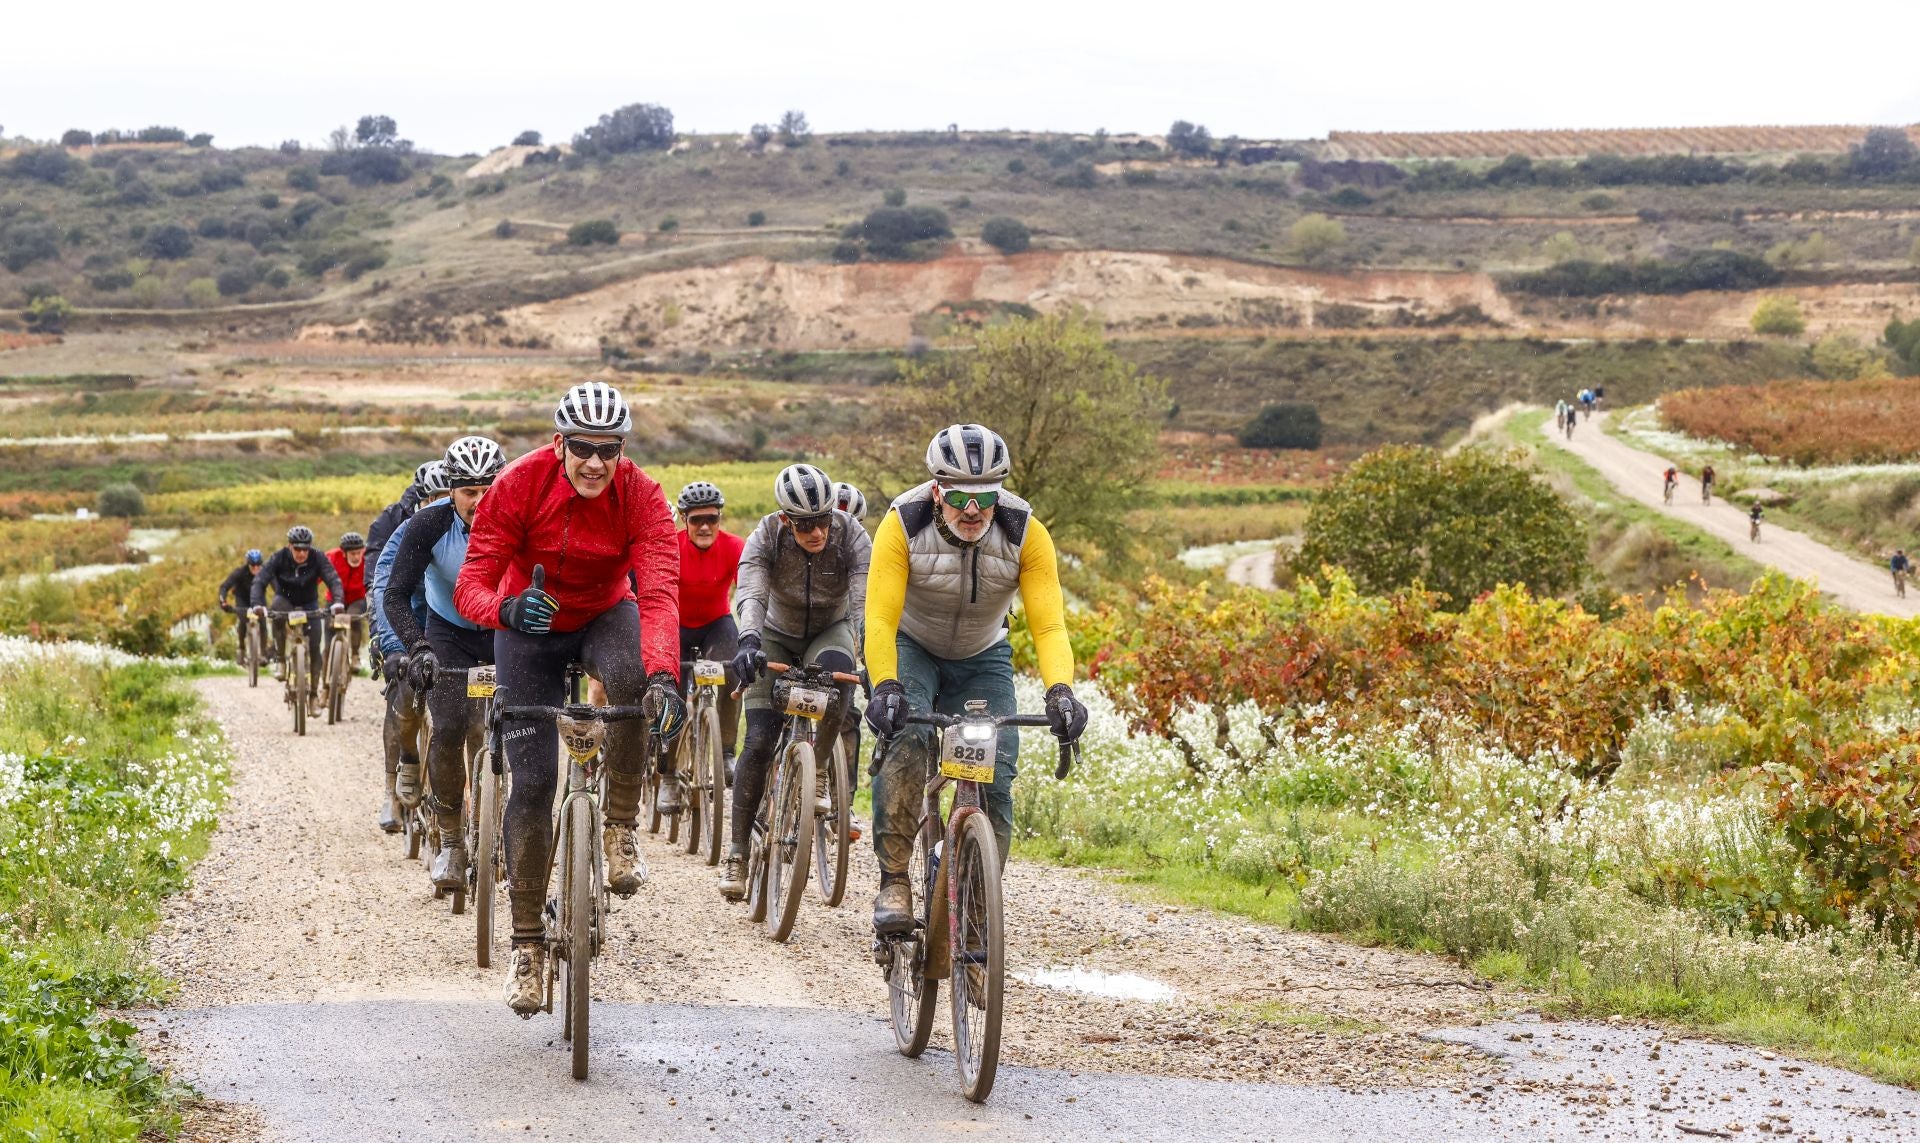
1636,475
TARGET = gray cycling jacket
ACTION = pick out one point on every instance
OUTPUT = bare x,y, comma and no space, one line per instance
958,596
784,589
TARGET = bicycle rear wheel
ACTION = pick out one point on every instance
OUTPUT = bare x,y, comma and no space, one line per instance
336,680
253,654
790,840
713,767
694,778
482,864
832,836
979,956
912,996
579,928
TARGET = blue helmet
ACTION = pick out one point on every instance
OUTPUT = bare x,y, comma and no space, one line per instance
254,556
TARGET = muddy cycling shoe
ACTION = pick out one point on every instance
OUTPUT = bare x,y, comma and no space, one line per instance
668,800
733,876
625,871
822,794
406,783
893,909
450,867
526,970
390,811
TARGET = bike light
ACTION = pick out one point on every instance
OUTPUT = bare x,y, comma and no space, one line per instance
976,731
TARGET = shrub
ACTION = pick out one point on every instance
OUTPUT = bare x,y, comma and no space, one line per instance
1839,357
669,224
211,227
202,292
1283,425
368,166
169,241
1188,139
110,280
1135,177
146,291
45,164
894,196
1778,315
503,228
1016,166
891,231
1007,235
598,231
268,201
1885,152
756,218
48,314
303,212
635,127
1316,237
25,243
233,283
364,262
121,500
278,278
303,179
213,180
527,139
846,252
76,137
1699,270
290,146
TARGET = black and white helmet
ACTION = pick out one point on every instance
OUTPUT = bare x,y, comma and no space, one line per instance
593,407
434,480
803,490
701,494
968,456
473,461
300,536
420,474
850,500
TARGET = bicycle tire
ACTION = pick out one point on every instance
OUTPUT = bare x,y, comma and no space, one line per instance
336,681
650,790
790,838
693,792
979,926
297,677
483,861
253,653
757,878
579,929
912,1003
832,835
715,821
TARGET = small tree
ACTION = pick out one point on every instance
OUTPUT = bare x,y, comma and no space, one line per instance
1187,139
290,146
1884,153
76,137
794,129
527,139
756,218
203,292
1460,524
170,241
1288,424
635,127
48,313
1838,357
120,500
1007,235
758,136
894,196
1316,237
1563,247
503,228
1778,315
599,231
376,131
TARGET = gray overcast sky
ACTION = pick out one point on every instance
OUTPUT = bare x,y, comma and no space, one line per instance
467,77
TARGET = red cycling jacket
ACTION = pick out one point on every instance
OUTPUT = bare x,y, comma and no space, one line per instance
706,578
352,579
532,515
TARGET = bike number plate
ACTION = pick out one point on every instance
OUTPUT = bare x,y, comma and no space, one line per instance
480,682
965,761
808,702
297,618
707,673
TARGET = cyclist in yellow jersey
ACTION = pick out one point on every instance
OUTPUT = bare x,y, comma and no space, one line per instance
947,562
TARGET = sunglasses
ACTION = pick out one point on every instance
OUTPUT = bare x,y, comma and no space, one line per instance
587,450
712,521
958,499
810,523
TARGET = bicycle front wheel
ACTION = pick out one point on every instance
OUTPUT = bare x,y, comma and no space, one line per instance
912,996
336,681
579,927
789,839
694,779
253,654
979,957
712,767
832,836
297,676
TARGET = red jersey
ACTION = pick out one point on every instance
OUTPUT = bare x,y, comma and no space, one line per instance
706,578
532,515
353,579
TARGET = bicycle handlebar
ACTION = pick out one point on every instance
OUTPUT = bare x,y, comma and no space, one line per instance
838,676
584,711
1069,751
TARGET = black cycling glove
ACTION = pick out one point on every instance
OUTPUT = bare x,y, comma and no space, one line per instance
422,664
749,660
532,611
1066,715
887,711
669,709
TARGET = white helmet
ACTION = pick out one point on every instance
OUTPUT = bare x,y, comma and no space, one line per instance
969,457
849,500
593,407
420,473
803,490
473,460
435,482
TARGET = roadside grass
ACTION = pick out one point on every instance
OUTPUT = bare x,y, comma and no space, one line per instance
109,782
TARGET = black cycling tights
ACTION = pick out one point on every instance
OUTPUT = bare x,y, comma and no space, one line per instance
456,723
531,669
763,732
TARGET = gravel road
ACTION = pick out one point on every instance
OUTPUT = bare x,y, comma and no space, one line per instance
1636,475
326,995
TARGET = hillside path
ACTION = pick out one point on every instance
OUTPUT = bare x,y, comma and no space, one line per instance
1636,475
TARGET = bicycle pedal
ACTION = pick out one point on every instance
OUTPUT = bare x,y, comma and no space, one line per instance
853,833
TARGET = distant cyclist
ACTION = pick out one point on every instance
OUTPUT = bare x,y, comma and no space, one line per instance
803,592
406,714
234,593
709,565
601,530
1753,522
429,551
295,575
398,512
1669,480
1706,485
349,562
1901,566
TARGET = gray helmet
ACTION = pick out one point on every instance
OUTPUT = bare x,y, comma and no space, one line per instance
701,494
593,407
300,536
849,500
968,456
420,473
803,490
434,480
352,542
473,461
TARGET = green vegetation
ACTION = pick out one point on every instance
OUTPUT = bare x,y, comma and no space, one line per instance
1316,237
123,500
1289,424
1779,316
598,231
1701,270
111,780
1007,235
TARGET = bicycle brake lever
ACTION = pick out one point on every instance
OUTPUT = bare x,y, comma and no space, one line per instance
1068,752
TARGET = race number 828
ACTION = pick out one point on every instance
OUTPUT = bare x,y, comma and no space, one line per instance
965,761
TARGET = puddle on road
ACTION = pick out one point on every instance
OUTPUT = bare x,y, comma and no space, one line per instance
1093,982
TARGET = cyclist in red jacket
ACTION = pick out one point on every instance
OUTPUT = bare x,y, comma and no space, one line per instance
601,530
709,563
349,560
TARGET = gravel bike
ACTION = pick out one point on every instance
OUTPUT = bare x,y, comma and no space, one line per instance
959,931
296,669
782,837
703,770
1753,528
576,918
482,815
251,648
834,832
339,668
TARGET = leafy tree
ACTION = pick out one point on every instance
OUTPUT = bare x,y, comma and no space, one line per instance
1903,339
1315,237
527,139
303,179
1780,315
1288,424
1562,247
146,291
794,128
1082,424
290,146
845,252
202,292
201,140
1460,524
894,196
121,500
635,127
76,137
891,231
1187,139
170,241
46,164
1839,357
758,136
48,313
1885,153
1007,235
598,231
756,218
232,283
376,131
